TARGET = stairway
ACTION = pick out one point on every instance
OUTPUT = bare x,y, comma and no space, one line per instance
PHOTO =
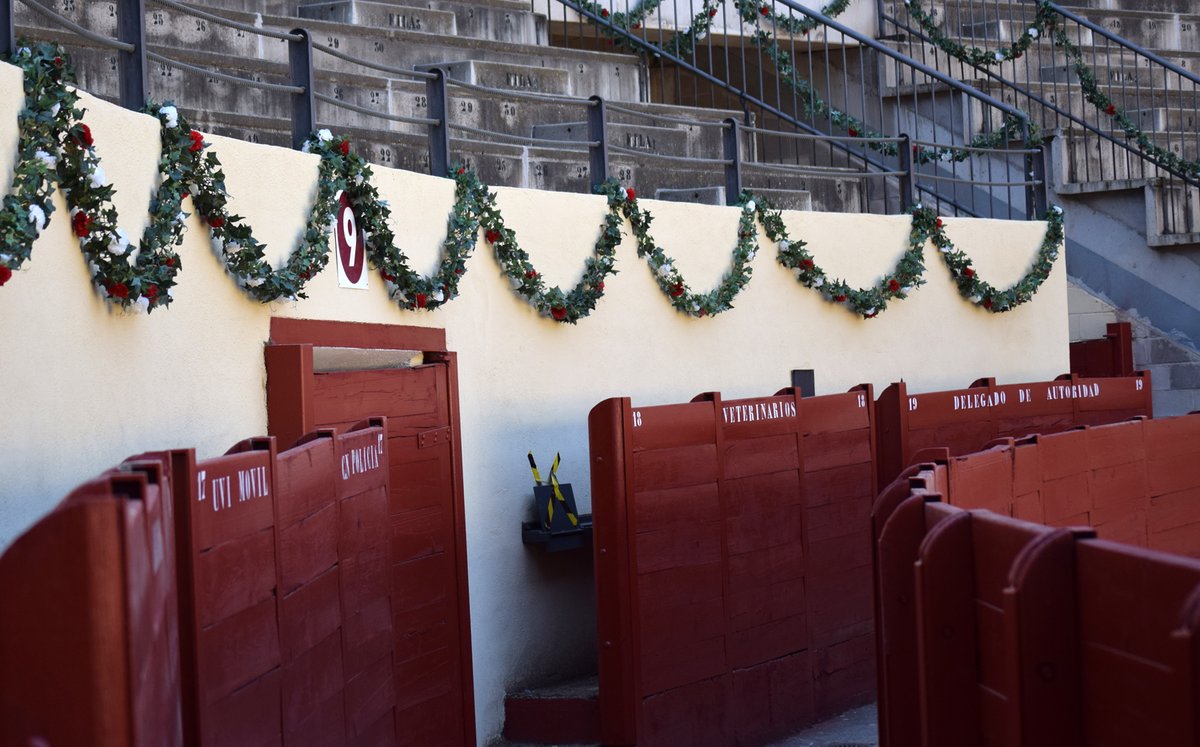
533,92
1133,231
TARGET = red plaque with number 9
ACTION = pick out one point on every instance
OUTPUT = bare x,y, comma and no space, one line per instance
350,246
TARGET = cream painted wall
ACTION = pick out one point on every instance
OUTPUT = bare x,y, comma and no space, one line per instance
85,386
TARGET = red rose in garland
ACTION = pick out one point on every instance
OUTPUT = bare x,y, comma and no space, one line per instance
421,300
1110,110
852,132
85,136
599,287
894,285
492,235
150,292
5,274
344,147
806,264
968,272
764,10
712,13
118,290
216,221
197,141
559,313
839,298
604,13
677,290
531,274
82,224
630,194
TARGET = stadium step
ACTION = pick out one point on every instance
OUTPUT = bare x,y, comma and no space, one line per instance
498,20
565,713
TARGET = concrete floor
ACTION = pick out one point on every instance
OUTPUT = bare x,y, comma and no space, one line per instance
854,728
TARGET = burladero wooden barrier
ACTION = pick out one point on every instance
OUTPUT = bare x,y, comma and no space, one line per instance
995,630
88,618
1111,355
732,565
966,420
267,542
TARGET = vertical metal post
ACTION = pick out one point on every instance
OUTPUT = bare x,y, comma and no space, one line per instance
1035,195
598,137
439,134
908,179
131,28
733,160
7,29
304,109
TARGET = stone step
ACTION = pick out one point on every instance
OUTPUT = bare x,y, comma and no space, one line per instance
1086,158
1154,6
507,76
1069,98
407,18
563,713
1007,21
613,76
509,22
1172,213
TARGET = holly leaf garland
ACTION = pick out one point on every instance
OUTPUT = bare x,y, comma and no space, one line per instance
56,148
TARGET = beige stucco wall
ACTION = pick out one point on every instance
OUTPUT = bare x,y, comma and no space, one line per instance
84,386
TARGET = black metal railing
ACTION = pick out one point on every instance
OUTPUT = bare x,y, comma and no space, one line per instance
768,148
1122,110
796,70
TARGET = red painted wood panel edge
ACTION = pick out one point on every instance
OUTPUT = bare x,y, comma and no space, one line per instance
450,359
610,466
289,392
356,335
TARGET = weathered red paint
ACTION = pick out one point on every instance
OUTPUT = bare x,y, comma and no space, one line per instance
1028,634
730,536
88,630
427,620
965,420
1111,355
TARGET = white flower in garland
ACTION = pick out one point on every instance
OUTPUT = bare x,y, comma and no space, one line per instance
54,110
1033,33
46,158
254,282
98,178
999,57
171,115
975,299
438,295
869,312
37,216
750,206
818,282
784,245
947,155
665,269
324,135
120,244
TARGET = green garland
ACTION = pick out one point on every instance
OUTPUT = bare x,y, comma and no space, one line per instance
1045,23
667,275
926,225
43,122
868,302
684,42
56,148
816,107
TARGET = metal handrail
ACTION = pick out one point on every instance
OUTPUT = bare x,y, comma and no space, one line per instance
663,117
76,28
842,138
1059,111
664,156
526,139
521,94
227,22
1097,29
426,121
279,87
418,74
485,142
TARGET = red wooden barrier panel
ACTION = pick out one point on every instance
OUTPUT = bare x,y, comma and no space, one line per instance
965,420
364,567
88,625
727,535
1029,635
1111,355
310,615
229,581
